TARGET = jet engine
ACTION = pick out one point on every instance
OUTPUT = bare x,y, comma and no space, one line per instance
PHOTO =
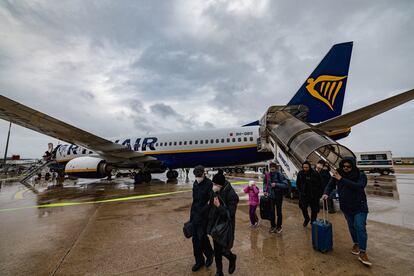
88,167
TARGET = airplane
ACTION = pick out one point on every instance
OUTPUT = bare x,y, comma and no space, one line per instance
317,104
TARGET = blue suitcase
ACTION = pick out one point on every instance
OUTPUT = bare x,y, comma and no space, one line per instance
322,234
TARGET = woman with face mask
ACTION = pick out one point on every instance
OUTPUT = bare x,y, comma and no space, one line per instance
223,201
274,184
350,183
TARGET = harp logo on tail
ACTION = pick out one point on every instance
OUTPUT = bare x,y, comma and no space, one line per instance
325,88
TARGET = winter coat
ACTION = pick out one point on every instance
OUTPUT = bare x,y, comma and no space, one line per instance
228,203
201,196
281,184
326,177
312,193
351,189
253,192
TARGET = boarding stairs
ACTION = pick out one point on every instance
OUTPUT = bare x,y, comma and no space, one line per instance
36,168
292,141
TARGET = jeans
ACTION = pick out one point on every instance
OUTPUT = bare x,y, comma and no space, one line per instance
252,214
356,225
277,202
201,244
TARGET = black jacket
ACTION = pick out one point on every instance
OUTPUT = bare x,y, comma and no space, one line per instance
201,196
326,177
351,190
315,191
228,196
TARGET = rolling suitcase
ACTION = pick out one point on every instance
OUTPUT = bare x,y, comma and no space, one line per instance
322,232
265,207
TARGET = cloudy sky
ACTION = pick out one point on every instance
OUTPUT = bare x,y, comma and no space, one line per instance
123,68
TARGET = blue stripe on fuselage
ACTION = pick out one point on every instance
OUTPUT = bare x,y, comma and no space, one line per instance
216,158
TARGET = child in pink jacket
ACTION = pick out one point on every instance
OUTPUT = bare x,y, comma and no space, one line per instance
253,192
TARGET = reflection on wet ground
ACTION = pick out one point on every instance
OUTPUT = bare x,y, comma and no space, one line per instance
144,237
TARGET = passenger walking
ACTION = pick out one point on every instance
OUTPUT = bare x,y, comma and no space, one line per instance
223,205
310,189
351,182
273,185
198,217
253,192
322,168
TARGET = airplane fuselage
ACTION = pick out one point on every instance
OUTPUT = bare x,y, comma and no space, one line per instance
212,148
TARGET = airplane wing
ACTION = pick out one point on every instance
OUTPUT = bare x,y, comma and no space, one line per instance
27,117
355,117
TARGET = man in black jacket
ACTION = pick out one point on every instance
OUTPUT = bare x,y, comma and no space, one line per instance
323,169
309,185
224,201
351,183
199,214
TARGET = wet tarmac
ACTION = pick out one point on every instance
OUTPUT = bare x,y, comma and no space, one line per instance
117,228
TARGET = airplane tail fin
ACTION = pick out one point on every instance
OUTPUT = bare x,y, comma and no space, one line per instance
324,90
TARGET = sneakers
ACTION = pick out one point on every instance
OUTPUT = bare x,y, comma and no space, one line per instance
355,249
279,230
306,222
276,230
272,230
363,258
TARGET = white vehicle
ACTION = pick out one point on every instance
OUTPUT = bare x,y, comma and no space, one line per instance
375,162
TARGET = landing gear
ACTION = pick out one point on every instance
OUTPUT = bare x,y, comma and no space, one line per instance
172,174
142,177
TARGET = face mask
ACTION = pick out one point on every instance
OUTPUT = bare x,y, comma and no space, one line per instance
216,188
199,179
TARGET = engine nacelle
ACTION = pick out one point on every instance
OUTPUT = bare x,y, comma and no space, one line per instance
88,167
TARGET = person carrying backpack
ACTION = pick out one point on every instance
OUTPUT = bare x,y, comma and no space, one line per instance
273,185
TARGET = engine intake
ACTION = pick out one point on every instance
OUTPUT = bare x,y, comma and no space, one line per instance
88,167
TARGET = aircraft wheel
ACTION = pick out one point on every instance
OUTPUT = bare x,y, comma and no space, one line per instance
175,174
138,178
170,175
147,177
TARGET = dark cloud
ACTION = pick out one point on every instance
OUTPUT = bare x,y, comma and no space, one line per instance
159,66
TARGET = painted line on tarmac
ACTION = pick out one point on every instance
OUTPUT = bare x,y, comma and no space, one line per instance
65,204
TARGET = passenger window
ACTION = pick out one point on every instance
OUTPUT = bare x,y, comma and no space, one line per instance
180,143
212,141
185,143
190,142
206,141
170,143
251,139
175,143
228,140
201,141
217,141
239,139
196,142
245,139
156,144
233,140
222,140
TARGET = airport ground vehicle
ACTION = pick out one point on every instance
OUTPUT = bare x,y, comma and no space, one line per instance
375,162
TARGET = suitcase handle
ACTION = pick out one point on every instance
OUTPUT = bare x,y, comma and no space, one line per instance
325,210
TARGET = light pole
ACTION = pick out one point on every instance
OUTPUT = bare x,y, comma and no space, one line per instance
7,146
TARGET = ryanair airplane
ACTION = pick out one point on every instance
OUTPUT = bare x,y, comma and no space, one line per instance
91,156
